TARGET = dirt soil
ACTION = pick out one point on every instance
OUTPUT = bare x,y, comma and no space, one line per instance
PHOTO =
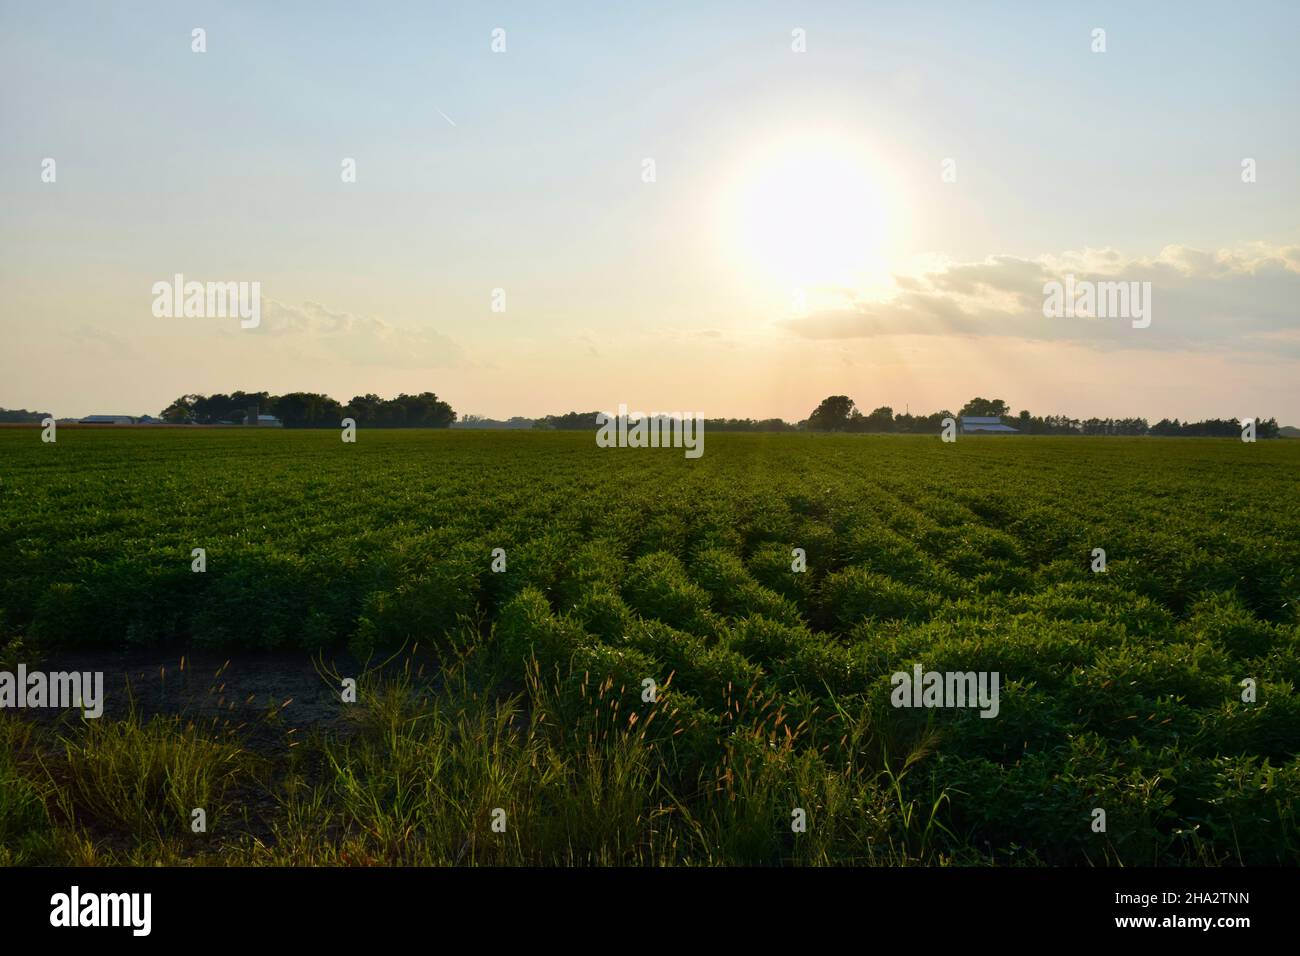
265,694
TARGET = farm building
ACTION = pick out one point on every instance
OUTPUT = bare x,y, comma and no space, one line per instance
107,420
981,424
269,421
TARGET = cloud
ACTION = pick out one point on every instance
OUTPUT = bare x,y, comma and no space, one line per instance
101,344
358,339
1242,299
586,339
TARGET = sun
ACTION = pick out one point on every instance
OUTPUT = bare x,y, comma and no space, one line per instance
811,214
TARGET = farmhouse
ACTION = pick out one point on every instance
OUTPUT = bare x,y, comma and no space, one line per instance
980,424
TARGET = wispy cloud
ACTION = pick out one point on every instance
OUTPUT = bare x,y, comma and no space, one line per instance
1240,299
101,343
362,340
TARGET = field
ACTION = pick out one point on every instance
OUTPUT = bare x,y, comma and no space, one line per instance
503,716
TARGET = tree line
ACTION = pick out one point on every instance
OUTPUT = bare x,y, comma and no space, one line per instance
838,413
585,421
311,410
15,416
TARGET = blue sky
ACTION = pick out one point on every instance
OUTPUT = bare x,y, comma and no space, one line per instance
226,166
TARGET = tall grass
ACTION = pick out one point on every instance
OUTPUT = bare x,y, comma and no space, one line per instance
561,772
145,779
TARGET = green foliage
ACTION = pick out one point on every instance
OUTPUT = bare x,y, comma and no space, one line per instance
146,778
24,820
1120,689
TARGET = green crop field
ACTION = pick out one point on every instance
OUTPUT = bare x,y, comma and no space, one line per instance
682,661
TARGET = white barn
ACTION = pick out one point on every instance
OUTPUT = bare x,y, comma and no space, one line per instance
986,424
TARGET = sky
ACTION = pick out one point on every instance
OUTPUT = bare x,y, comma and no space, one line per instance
733,209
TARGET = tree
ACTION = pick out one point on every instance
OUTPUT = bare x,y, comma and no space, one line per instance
181,411
17,415
307,410
364,409
573,421
986,408
426,410
881,420
832,415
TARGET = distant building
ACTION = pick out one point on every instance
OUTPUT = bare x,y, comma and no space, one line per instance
981,424
107,420
269,421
